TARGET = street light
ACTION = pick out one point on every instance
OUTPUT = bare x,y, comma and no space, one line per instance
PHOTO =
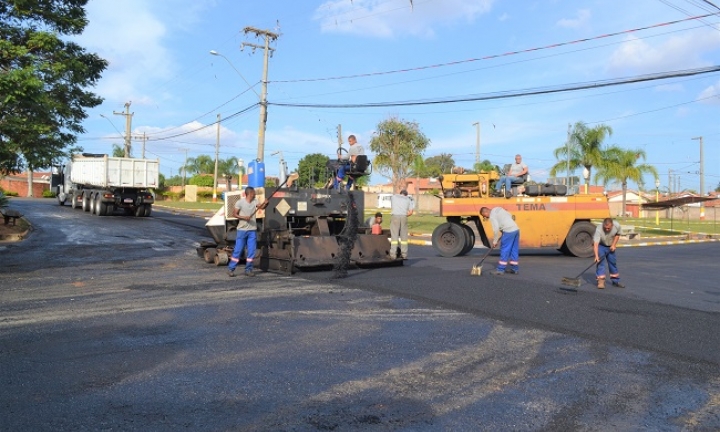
586,176
215,53
657,198
283,166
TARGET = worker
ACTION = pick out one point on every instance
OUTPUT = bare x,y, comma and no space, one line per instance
516,174
605,241
401,208
507,234
375,223
345,165
245,210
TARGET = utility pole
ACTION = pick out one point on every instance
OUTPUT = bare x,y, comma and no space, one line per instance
184,168
128,127
339,137
268,35
217,151
702,178
477,145
144,138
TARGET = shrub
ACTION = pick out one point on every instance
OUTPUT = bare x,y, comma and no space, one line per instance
4,200
173,196
48,194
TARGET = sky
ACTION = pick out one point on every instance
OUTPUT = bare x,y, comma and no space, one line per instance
429,53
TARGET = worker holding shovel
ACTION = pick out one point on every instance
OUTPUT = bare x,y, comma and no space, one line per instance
604,243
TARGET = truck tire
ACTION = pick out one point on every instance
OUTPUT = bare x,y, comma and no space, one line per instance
148,210
110,210
140,211
448,239
100,207
74,204
579,241
86,202
60,201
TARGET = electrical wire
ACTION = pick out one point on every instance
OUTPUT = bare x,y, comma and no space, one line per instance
512,93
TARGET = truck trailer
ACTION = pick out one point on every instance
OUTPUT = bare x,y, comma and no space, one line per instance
100,184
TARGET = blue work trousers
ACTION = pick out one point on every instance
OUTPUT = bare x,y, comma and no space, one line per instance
507,181
604,251
509,251
341,176
244,238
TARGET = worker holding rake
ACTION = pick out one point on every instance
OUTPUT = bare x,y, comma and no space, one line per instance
604,243
507,234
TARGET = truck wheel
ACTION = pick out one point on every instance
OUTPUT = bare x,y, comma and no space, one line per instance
148,210
100,207
448,239
74,204
579,241
60,201
140,211
469,239
110,209
210,254
221,258
86,202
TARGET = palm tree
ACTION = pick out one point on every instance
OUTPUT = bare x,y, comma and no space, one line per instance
228,169
202,164
584,146
622,165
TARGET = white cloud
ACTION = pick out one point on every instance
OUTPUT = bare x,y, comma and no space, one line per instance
133,39
710,95
583,16
675,53
382,18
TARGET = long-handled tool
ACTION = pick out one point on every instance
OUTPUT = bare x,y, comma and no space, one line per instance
477,268
576,282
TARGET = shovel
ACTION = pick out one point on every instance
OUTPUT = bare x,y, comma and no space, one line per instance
477,268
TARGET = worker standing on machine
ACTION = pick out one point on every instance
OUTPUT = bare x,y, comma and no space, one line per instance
245,210
507,234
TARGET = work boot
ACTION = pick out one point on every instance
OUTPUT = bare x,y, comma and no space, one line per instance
231,273
512,271
497,273
618,284
601,283
249,273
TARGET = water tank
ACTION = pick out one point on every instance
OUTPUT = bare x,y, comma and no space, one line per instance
256,174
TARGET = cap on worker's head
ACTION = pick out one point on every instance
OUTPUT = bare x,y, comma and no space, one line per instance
403,192
378,214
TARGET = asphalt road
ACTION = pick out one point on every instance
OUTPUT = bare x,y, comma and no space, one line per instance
114,323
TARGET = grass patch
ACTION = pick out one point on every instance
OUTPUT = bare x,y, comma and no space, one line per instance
191,205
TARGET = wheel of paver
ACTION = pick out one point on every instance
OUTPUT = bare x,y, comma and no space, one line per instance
469,239
579,241
221,258
86,202
148,210
210,254
448,239
100,207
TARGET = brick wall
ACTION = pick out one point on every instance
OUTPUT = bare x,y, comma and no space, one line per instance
20,186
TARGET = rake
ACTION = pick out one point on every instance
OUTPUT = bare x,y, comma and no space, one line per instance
477,268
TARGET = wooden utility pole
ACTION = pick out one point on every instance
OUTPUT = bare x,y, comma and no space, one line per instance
702,178
268,35
477,145
128,127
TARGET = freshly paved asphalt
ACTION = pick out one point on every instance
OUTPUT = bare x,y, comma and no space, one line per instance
115,323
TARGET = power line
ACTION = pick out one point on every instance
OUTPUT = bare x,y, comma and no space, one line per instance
514,93
510,53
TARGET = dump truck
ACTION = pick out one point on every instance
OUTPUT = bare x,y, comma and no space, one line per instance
100,184
547,216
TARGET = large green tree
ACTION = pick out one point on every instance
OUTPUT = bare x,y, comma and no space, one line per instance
396,144
203,164
44,79
441,164
623,165
312,170
585,147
